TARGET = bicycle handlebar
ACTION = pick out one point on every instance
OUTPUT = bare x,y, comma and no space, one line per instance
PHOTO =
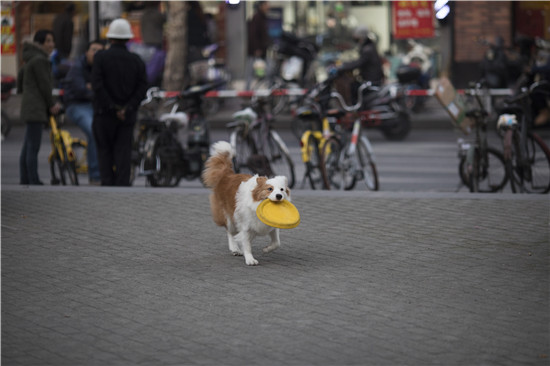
152,92
527,91
356,106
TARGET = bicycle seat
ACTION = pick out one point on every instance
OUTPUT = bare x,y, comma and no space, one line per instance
307,112
247,113
336,113
476,113
198,90
510,109
180,117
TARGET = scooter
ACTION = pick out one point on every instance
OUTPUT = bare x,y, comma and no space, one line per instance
384,107
8,83
295,57
415,72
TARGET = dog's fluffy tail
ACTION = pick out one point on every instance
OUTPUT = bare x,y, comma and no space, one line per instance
219,164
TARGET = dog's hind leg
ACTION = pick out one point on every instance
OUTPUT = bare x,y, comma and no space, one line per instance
244,238
275,241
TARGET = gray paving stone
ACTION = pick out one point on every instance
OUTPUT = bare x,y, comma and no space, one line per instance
100,276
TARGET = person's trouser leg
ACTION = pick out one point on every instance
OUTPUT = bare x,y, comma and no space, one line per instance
123,153
82,115
104,132
28,161
249,71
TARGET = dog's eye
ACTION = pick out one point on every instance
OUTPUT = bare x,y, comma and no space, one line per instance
270,189
282,189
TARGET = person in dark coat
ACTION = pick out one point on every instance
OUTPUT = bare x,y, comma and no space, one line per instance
35,82
78,96
369,63
197,31
258,40
63,28
119,82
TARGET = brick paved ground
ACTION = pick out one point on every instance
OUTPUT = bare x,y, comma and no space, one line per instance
95,276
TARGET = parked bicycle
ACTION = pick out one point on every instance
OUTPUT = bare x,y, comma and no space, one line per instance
259,149
68,155
481,167
323,132
526,156
348,157
312,128
158,152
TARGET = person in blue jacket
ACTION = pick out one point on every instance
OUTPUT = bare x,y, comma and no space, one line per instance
78,95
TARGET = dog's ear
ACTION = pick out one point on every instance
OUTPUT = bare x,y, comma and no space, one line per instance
260,181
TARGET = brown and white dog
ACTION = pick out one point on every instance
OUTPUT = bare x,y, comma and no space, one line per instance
234,200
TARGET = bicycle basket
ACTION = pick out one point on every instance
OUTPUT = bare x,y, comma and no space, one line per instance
453,103
204,71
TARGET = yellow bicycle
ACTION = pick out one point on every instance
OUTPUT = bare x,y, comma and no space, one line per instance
334,157
313,129
68,155
312,143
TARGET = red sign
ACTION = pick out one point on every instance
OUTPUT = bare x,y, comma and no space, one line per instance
8,29
413,19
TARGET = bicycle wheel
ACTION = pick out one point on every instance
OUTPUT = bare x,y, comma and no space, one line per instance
167,159
244,149
533,175
71,172
279,157
81,155
365,164
313,165
64,167
57,165
486,174
336,166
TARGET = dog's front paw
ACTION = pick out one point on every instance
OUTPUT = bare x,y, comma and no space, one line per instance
237,253
250,261
270,248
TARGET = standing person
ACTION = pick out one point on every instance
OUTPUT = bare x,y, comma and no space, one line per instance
152,25
197,32
35,81
119,82
152,32
63,28
369,63
78,98
258,38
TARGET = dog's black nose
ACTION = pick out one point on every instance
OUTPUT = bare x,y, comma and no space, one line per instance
279,196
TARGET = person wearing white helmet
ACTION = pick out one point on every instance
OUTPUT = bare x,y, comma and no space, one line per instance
119,81
369,62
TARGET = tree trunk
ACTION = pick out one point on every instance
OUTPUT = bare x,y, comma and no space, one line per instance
176,36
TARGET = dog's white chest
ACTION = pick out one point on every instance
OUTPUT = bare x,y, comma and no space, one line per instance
260,228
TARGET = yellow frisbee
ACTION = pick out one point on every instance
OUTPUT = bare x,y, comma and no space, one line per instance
282,215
